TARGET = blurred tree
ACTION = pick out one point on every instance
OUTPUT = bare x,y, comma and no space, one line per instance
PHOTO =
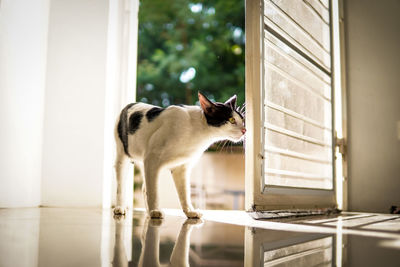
187,46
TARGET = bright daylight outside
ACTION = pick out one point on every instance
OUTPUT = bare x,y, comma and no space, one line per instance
185,47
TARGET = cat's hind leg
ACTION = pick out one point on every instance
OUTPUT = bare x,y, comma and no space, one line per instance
182,184
121,169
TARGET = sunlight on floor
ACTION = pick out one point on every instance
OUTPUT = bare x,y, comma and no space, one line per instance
92,237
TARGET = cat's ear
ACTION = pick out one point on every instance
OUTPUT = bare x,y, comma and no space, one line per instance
231,102
205,103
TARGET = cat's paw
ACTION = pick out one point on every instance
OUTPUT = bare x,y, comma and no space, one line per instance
156,214
119,217
193,214
194,222
155,222
118,210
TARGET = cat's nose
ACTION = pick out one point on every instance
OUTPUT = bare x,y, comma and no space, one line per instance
243,130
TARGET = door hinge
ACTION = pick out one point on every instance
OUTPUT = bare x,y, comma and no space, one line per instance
341,144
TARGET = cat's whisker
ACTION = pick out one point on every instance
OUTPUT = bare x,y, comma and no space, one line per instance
216,145
226,141
219,146
227,145
243,109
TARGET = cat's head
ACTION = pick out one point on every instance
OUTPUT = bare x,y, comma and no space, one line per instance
224,116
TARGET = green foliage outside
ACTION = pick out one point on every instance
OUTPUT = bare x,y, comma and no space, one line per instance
189,46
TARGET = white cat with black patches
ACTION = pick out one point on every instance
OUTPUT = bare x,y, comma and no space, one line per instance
172,138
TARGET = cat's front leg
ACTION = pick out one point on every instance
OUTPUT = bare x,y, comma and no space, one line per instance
182,184
151,173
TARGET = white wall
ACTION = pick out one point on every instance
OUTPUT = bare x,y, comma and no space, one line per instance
73,146
91,75
66,69
121,83
23,40
373,84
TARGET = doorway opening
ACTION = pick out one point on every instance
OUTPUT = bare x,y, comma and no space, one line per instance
189,46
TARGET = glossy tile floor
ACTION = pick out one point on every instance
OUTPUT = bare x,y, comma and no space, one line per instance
84,237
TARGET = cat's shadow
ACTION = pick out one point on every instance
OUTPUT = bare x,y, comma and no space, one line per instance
150,240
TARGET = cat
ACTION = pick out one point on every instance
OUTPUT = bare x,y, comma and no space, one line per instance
173,138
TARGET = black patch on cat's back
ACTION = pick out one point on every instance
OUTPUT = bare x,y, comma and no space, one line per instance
153,113
134,121
122,127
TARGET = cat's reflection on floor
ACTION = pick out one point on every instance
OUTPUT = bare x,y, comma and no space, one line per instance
150,239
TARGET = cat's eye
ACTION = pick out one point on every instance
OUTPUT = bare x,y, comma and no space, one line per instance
232,120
